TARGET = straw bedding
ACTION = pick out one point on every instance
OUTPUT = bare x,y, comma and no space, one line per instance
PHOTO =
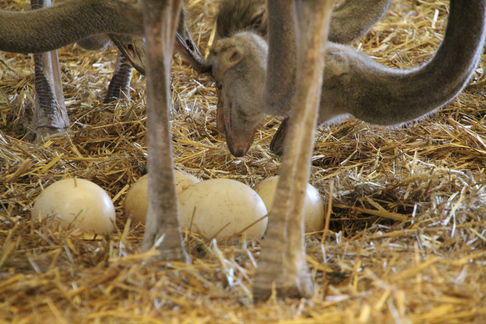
406,241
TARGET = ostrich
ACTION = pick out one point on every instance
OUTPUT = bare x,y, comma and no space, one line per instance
355,85
350,20
50,115
297,51
352,84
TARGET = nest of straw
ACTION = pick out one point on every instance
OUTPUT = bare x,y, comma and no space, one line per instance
407,235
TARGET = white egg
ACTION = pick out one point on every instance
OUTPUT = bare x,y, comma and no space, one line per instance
313,204
136,200
222,208
78,203
183,181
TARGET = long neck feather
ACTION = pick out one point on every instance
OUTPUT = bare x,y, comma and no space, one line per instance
50,28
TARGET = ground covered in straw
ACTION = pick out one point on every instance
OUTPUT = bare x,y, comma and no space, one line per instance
407,236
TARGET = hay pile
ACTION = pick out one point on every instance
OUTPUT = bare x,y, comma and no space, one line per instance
407,238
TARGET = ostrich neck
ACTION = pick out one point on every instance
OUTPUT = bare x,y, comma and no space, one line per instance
386,96
354,18
47,29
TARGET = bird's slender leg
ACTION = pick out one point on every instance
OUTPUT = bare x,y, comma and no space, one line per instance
162,225
282,262
50,114
119,87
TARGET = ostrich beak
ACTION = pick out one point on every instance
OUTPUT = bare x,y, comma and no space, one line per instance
133,47
239,128
186,46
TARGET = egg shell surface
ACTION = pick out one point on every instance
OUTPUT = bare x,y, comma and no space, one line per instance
313,204
76,202
136,199
222,208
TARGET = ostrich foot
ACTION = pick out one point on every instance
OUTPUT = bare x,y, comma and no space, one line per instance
292,285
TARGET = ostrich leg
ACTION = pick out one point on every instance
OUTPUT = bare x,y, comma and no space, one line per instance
132,50
162,226
119,87
282,262
50,114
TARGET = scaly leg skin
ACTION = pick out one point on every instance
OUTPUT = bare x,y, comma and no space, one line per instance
50,114
282,262
119,87
162,225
